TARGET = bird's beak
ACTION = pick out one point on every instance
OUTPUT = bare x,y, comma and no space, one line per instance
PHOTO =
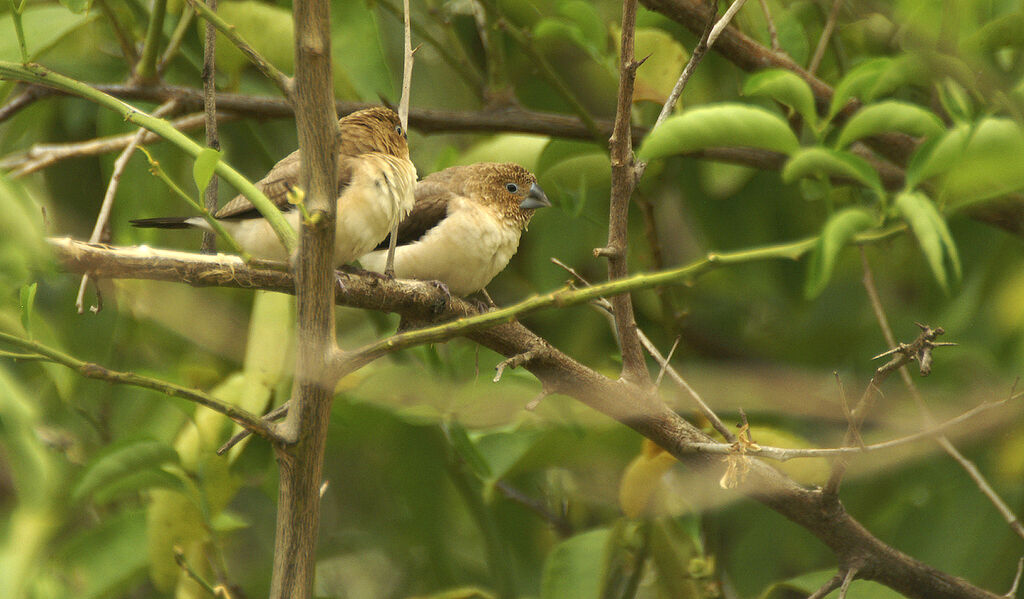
535,199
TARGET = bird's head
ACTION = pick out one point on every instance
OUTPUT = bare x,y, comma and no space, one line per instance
511,189
376,129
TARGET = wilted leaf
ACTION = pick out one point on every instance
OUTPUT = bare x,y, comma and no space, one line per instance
716,126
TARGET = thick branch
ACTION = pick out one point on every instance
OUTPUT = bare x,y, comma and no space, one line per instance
641,411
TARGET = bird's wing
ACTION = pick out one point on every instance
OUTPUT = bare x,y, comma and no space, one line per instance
431,207
275,186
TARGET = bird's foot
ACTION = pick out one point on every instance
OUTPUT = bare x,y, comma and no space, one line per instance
442,304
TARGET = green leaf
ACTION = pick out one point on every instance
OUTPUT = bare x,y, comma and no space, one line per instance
202,169
840,228
590,24
858,83
76,6
785,87
121,460
932,234
459,440
890,116
45,26
658,75
28,300
719,125
990,164
106,558
575,567
806,584
503,450
831,163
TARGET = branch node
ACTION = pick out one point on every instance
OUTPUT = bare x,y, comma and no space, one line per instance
608,252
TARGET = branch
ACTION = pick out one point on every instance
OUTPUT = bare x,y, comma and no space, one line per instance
561,374
37,74
624,179
277,77
38,351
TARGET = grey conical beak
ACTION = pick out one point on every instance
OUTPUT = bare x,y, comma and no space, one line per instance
535,199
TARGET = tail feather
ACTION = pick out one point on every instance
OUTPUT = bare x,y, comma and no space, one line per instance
163,222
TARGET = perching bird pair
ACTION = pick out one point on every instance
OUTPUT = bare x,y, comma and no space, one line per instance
459,226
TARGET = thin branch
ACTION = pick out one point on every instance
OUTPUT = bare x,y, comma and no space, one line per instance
41,156
691,65
1012,593
830,585
969,467
472,77
90,370
772,32
282,81
561,374
145,70
562,527
103,217
634,368
177,37
209,244
826,37
39,75
514,362
847,581
403,117
123,39
529,47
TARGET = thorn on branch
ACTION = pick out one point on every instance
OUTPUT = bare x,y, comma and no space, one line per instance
920,349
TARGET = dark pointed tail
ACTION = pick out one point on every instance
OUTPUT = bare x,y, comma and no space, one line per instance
163,222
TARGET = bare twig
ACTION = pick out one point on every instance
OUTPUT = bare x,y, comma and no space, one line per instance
514,362
668,359
403,116
691,65
829,586
39,157
95,371
562,527
652,349
826,36
1012,593
969,467
276,414
209,244
847,581
772,32
282,81
103,217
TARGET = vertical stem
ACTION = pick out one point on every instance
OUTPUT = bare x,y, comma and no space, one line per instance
301,461
145,71
623,181
210,108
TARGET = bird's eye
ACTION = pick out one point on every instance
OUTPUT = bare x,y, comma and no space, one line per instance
511,187
398,130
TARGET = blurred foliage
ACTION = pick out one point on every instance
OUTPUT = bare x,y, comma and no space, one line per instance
441,484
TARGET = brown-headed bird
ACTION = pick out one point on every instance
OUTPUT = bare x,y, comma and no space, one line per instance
375,190
465,225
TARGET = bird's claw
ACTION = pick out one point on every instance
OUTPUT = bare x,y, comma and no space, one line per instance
443,288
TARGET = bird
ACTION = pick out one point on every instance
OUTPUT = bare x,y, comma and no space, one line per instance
376,179
464,227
